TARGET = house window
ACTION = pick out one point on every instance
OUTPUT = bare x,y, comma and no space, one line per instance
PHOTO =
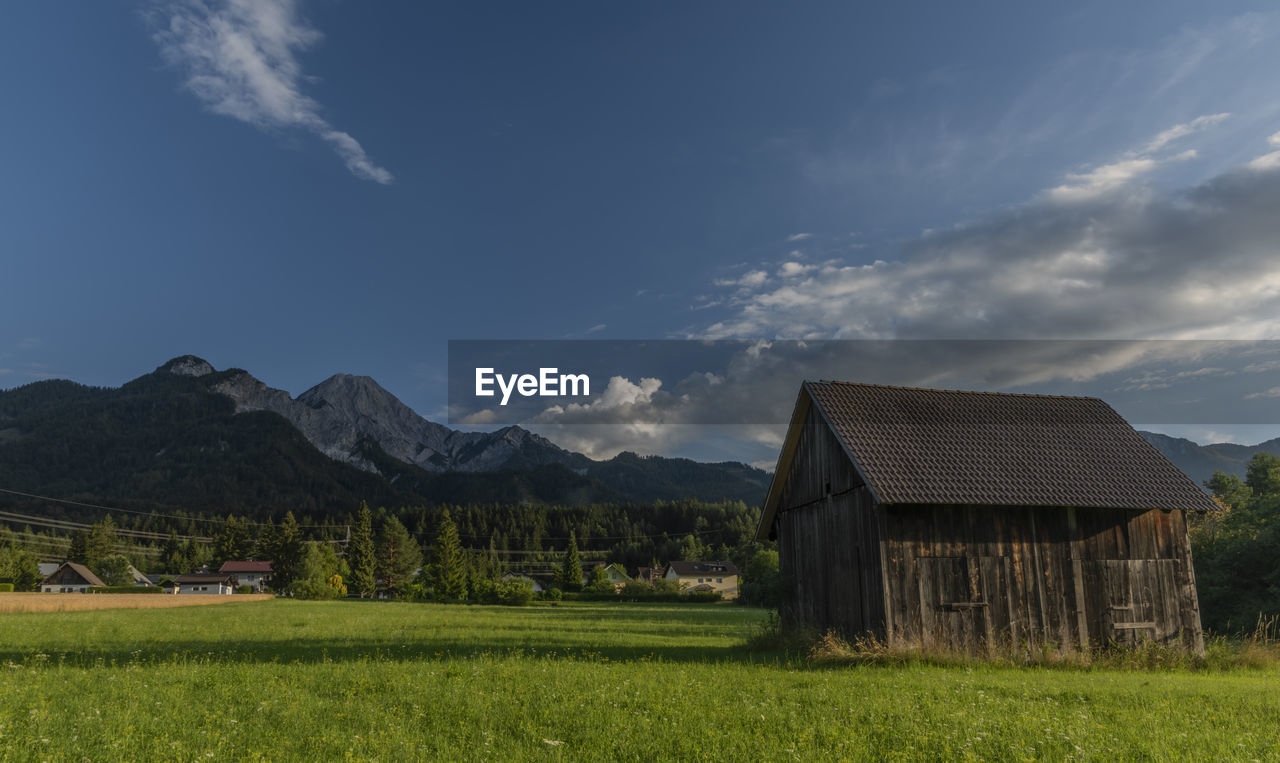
719,580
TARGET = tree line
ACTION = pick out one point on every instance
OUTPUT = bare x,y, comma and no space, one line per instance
1235,550
464,552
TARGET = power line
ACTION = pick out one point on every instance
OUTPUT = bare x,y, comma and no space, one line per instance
66,524
143,513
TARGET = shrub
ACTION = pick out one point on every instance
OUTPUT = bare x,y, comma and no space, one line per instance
6,587
245,589
552,594
666,591
515,592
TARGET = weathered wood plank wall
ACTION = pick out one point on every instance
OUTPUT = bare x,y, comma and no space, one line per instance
828,540
969,576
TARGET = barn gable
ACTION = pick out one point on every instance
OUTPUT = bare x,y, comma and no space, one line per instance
968,518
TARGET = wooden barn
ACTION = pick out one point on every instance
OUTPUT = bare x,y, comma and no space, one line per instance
975,520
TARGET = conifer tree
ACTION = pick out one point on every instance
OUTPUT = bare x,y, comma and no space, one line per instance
360,554
571,566
171,557
288,553
79,550
448,563
100,542
398,555
232,541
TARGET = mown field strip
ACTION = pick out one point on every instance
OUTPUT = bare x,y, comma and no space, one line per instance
12,603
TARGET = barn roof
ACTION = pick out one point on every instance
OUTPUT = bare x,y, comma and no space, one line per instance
928,446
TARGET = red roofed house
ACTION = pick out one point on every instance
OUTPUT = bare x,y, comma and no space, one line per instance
971,520
70,577
256,574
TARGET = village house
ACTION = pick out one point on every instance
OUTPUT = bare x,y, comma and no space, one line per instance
615,573
650,574
973,520
201,583
256,574
70,577
706,577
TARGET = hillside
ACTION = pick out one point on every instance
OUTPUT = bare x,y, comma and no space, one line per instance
189,436
1200,461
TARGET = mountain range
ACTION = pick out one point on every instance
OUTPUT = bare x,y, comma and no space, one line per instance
1199,462
192,436
188,435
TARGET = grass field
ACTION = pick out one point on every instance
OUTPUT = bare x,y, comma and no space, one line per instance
66,602
324,680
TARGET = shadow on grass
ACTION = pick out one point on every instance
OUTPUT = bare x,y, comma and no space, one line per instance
289,632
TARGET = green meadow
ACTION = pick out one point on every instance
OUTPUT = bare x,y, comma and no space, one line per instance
289,680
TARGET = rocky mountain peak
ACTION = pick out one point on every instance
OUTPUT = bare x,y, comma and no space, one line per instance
186,365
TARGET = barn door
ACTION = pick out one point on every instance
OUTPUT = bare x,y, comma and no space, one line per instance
964,601
1132,600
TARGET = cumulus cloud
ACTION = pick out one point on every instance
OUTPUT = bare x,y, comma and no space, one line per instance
793,269
1200,263
240,60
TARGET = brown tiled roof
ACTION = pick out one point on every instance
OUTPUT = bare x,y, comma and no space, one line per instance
695,569
82,571
245,567
942,446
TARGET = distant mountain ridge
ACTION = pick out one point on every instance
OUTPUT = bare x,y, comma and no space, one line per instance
1199,462
187,434
341,411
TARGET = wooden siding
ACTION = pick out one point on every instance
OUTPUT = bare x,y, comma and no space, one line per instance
985,576
829,539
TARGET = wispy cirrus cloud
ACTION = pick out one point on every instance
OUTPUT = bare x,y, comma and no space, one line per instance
1165,137
240,58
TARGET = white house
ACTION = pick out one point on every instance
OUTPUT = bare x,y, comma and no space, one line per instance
256,574
201,583
70,577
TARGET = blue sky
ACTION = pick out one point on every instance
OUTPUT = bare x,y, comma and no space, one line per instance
301,189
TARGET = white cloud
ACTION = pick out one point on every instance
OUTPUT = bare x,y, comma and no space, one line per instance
750,280
1112,177
1130,263
1101,180
481,418
792,269
799,236
1273,392
1172,134
1268,161
240,60
597,327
